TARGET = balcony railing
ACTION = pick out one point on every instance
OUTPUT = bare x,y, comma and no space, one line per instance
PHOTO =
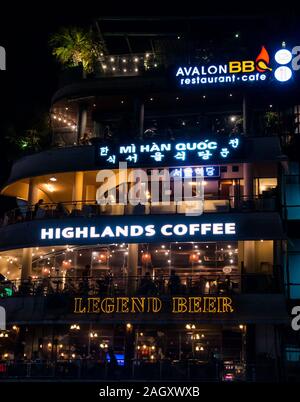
91,208
163,369
193,284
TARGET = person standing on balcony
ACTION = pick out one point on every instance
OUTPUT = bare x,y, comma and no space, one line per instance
86,273
37,208
174,284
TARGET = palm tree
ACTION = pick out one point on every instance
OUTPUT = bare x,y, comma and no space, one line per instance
73,46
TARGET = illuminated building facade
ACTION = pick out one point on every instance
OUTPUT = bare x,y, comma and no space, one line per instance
151,290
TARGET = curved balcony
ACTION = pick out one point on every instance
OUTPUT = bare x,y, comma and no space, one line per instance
108,285
83,158
91,209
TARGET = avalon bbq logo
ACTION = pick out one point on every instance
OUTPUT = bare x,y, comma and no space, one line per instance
259,69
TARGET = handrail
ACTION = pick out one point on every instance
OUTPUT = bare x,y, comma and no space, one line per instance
108,285
90,208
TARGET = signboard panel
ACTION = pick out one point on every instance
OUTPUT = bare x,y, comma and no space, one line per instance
199,151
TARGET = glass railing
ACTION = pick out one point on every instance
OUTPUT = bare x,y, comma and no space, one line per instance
164,285
72,367
91,209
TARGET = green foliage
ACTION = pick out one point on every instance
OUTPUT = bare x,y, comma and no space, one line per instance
22,140
72,46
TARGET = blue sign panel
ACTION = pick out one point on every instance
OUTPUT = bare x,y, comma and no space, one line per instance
179,153
109,229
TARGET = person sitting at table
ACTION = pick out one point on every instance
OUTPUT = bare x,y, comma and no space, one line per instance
70,287
45,287
85,139
147,286
201,284
86,273
61,211
26,287
160,282
174,284
214,285
227,284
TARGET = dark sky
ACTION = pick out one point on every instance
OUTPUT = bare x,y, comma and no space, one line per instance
31,76
32,73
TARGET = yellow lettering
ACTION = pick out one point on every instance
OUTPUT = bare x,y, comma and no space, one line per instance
195,305
78,306
227,305
179,305
107,305
139,304
248,66
235,67
93,305
156,304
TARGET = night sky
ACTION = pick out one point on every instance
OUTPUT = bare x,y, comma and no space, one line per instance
32,73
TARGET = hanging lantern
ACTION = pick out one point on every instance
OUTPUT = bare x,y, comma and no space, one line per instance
146,258
193,258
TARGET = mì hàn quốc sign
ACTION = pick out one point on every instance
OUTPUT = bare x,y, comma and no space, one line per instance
277,66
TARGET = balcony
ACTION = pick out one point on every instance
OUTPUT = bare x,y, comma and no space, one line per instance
91,209
161,285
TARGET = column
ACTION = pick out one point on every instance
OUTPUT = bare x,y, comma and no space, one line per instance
26,263
81,121
139,112
32,195
248,181
247,167
132,265
249,256
141,120
90,193
78,189
32,198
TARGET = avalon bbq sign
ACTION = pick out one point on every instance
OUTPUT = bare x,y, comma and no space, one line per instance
261,68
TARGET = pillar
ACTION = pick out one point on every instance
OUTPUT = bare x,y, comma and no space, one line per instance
141,119
248,181
139,114
78,189
32,198
249,256
132,265
32,195
26,263
90,193
81,121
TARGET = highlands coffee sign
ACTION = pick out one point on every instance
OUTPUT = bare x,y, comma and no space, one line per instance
262,67
136,232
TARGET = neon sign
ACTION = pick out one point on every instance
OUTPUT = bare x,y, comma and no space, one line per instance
239,71
153,305
202,171
126,232
169,153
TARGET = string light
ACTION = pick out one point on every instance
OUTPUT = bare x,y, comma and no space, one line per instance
65,119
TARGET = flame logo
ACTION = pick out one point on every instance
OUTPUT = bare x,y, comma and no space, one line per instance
262,61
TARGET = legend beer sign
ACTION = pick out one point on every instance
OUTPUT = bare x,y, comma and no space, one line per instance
153,305
261,68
